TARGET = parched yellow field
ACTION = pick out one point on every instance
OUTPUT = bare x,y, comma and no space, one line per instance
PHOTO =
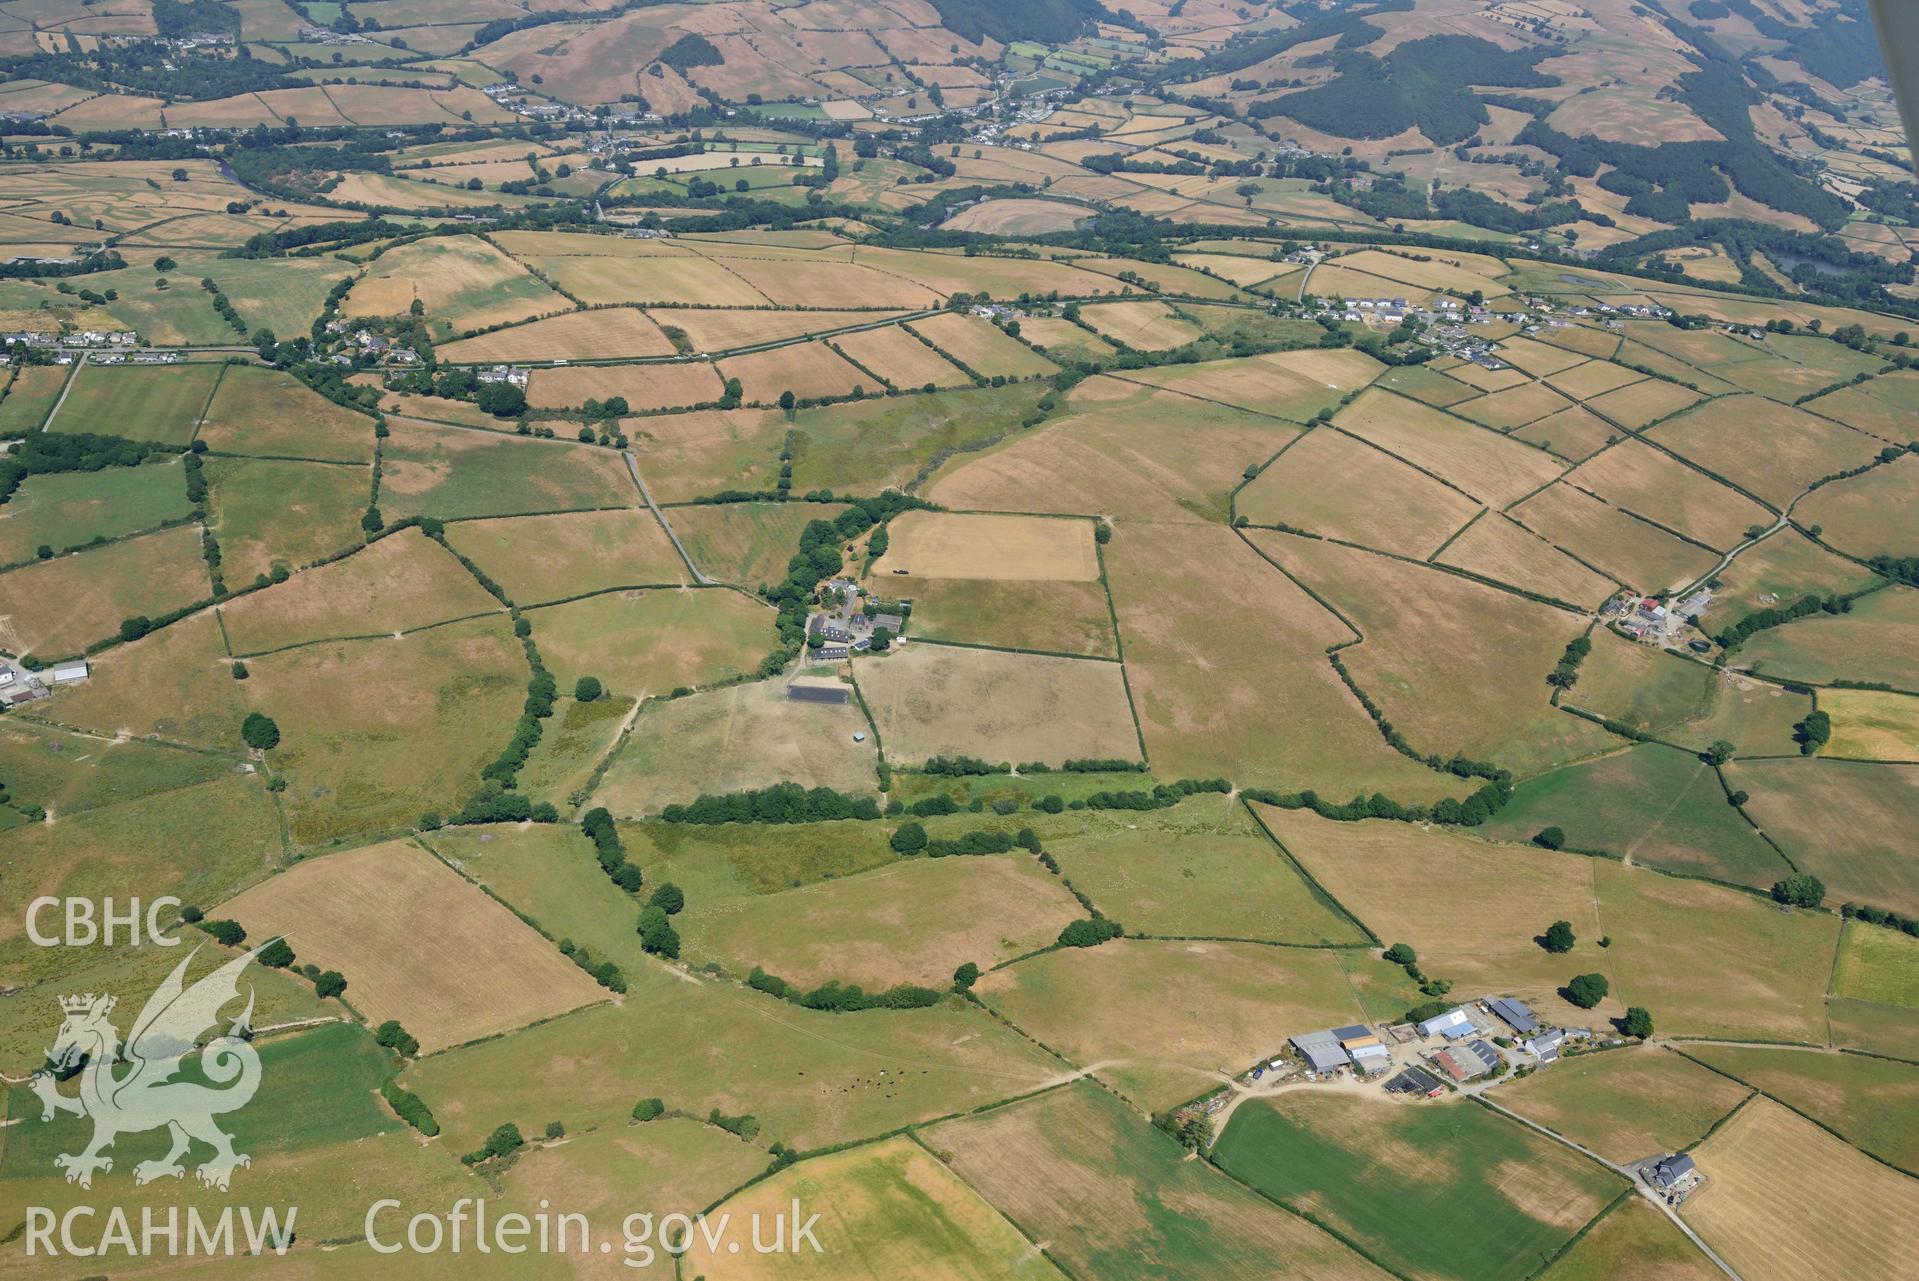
1439,269
1148,326
1764,447
1872,724
808,370
1642,403
1012,548
934,700
1500,549
581,335
463,282
1493,468
981,347
1334,484
1289,384
417,942
1629,549
1784,1200
61,606
644,387
717,329
900,358
545,558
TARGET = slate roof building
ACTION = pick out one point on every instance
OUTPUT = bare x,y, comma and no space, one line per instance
1514,1013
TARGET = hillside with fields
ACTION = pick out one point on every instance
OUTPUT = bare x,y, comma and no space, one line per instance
1180,641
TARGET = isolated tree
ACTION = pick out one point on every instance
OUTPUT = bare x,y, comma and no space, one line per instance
396,1038
909,839
259,732
1550,838
648,1109
1559,937
1801,889
1638,1022
965,976
1401,954
1719,752
587,689
1587,990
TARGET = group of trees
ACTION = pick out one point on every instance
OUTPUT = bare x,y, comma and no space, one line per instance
598,825
843,998
780,803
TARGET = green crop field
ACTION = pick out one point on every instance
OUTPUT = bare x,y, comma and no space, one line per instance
1445,1190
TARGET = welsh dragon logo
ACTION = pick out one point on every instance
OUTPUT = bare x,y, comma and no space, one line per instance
137,1087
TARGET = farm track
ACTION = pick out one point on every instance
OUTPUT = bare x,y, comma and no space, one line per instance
699,575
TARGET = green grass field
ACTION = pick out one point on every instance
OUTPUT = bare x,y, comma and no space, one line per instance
449,472
1871,643
1846,822
1662,806
746,543
866,447
1446,1190
266,413
1877,964
652,642
68,773
577,739
30,396
267,513
162,403
66,510
1625,1104
1633,1237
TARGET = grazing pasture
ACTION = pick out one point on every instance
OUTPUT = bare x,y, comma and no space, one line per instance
1846,822
746,543
1871,515
417,942
62,606
1079,1171
161,403
1764,447
1876,641
268,512
174,684
1633,1236
463,282
67,510
934,700
1873,1103
1626,1104
1498,547
649,642
1052,616
1632,550
981,347
602,334
1334,484
536,559
455,473
266,413
1494,469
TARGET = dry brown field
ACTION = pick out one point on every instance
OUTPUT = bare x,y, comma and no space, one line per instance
808,370
1498,548
1148,326
1626,1104
1514,407
1535,358
1337,485
464,283
1870,515
1595,377
610,332
59,607
934,700
1575,434
1013,548
544,558
1784,1200
644,387
981,347
685,456
901,359
402,582
417,942
1630,550
712,329
1764,447
1487,465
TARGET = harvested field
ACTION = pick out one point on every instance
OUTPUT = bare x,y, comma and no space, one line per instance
1075,1168
731,739
1764,447
608,333
1871,724
418,943
451,473
58,607
1447,1190
378,732
809,370
1631,550
1491,467
645,388
897,1212
1767,968
1847,822
1439,653
1595,377
652,642
803,282
1641,480
1499,548
1785,1200
1207,697
981,347
913,921
162,404
934,700
626,278
267,512
1334,484
399,584
264,412
720,330
1147,326
1011,548
1643,404
464,283
900,358
536,559
1626,1104
1872,1103
1163,1016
